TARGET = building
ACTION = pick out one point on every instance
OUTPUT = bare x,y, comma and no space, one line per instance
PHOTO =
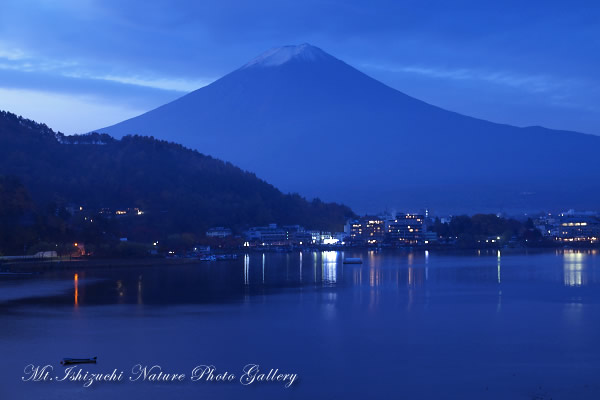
367,230
341,237
570,226
302,237
128,211
406,229
288,235
201,250
548,225
295,234
271,235
578,229
218,232
374,231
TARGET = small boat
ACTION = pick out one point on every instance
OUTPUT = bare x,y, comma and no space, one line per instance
68,361
208,258
351,260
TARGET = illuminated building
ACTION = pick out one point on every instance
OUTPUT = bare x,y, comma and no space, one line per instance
406,229
296,234
355,229
578,229
375,230
267,234
129,211
367,230
290,235
201,250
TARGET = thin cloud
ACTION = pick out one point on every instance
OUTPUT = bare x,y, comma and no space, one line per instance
11,54
17,60
172,84
531,83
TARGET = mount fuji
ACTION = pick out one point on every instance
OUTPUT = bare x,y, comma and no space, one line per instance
310,123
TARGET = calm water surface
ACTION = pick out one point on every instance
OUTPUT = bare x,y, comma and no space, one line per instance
402,325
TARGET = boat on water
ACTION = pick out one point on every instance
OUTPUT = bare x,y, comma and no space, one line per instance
352,260
208,258
70,361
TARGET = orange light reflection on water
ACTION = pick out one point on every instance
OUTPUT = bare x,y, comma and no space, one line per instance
76,282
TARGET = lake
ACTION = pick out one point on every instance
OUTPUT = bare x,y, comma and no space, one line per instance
406,325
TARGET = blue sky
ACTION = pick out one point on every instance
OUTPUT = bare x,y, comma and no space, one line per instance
83,64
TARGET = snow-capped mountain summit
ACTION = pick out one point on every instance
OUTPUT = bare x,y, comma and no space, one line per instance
280,55
310,123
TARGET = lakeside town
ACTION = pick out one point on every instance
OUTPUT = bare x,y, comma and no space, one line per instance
420,229
388,230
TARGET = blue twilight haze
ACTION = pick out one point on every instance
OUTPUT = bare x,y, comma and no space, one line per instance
521,63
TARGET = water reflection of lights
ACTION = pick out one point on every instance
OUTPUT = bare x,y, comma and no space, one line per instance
315,257
374,276
263,267
139,296
76,283
573,268
328,307
499,280
499,306
412,276
300,267
373,299
357,277
246,269
120,291
374,261
329,267
426,265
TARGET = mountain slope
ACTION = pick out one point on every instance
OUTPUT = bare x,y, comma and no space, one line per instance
310,123
181,190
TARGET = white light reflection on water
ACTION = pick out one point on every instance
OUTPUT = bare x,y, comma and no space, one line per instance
499,306
573,268
315,265
499,278
329,267
426,265
246,268
300,267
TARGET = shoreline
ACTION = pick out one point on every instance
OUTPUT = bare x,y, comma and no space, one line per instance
37,266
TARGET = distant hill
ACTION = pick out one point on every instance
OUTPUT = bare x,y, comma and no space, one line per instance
310,123
179,189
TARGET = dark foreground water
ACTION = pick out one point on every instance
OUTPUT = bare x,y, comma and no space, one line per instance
402,325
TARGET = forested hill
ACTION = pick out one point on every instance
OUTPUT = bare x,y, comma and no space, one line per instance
179,189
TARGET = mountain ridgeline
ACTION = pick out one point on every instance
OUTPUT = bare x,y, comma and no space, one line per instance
179,190
310,123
